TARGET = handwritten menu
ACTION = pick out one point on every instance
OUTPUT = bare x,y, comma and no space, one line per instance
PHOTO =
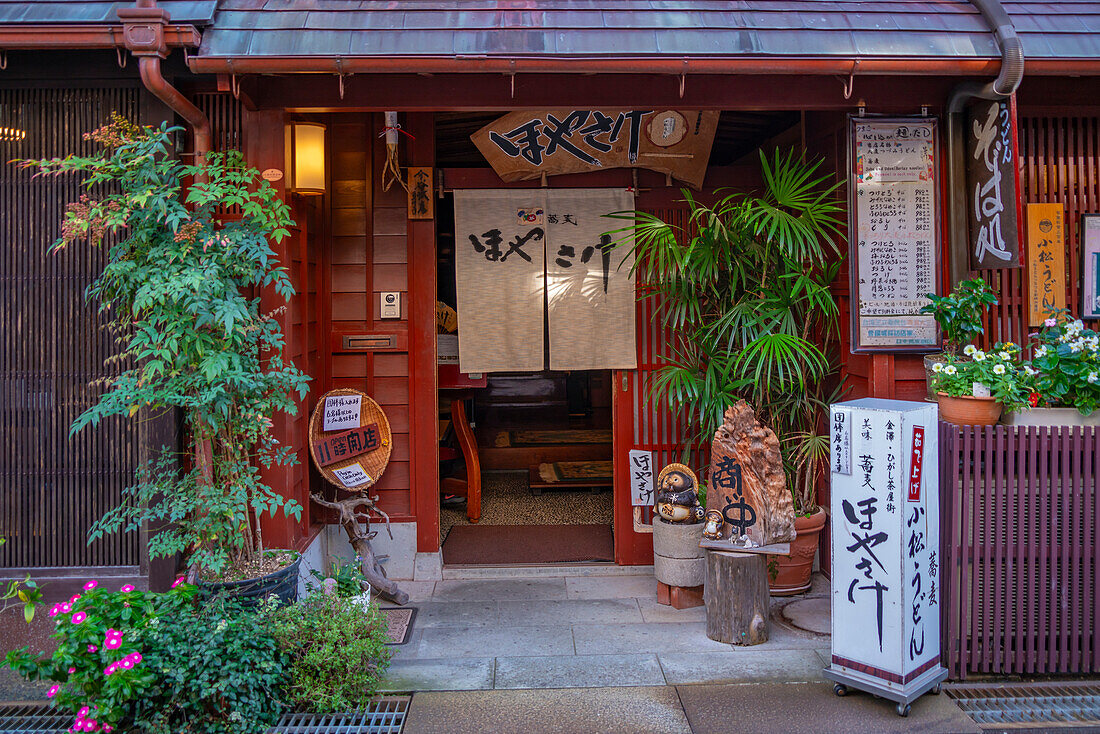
894,231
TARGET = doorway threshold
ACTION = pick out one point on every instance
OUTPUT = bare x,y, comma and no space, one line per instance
539,570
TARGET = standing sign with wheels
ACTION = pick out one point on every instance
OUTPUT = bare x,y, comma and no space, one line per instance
885,543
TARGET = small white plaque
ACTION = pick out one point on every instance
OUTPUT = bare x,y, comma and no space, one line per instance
842,440
979,390
641,478
342,412
352,476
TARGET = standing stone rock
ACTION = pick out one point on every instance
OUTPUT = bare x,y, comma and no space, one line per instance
747,483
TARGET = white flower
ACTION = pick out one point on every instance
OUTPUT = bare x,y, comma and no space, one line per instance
1093,377
998,369
1077,345
969,350
950,370
1030,370
1040,350
1005,356
979,356
937,367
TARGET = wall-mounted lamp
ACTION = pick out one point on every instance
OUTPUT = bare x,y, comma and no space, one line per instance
306,158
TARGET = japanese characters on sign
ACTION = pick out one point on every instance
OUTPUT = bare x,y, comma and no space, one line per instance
421,196
894,232
991,180
526,145
347,444
1090,266
341,411
842,441
1046,261
641,478
885,573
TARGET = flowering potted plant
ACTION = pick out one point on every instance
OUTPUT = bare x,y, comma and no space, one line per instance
959,316
1065,375
974,389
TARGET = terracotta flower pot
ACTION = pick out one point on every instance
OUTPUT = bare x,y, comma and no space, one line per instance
969,411
793,576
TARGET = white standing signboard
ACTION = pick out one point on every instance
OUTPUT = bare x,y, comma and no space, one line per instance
885,550
894,232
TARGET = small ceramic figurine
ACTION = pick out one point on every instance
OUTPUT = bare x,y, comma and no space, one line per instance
677,496
713,529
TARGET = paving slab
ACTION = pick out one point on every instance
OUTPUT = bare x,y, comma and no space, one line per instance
440,674
812,614
742,666
611,588
449,642
410,648
648,710
782,637
654,612
780,708
579,671
417,590
568,612
606,639
500,589
456,614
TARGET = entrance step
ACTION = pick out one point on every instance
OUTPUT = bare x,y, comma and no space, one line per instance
571,570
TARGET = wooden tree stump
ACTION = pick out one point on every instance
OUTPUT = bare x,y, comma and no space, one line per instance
736,597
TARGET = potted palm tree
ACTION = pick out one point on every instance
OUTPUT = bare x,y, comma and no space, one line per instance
959,315
180,289
745,287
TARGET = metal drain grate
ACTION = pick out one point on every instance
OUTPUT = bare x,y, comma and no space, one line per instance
1025,705
384,716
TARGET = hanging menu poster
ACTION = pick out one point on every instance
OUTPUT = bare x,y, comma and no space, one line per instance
893,233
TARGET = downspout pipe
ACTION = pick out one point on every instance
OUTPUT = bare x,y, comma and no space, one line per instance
1006,83
143,32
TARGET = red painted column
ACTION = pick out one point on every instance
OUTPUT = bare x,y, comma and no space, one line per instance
423,382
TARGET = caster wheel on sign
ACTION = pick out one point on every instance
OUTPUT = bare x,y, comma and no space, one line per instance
840,690
903,709
936,689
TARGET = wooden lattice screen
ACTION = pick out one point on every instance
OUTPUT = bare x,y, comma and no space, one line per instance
1060,163
53,347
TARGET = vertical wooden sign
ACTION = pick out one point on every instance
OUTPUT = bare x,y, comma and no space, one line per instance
1046,261
421,193
991,186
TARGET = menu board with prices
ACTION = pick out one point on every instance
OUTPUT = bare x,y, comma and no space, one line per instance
894,237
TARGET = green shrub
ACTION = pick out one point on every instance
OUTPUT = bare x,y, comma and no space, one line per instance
347,579
337,651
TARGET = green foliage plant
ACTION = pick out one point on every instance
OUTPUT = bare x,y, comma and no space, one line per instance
346,579
1065,367
959,314
744,286
337,649
1000,370
181,289
14,593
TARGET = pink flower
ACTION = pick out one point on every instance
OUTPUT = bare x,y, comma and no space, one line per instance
108,728
127,663
78,617
72,670
65,607
92,648
177,582
82,712
1050,322
110,669
75,597
53,691
90,725
136,657
125,590
90,585
55,611
113,643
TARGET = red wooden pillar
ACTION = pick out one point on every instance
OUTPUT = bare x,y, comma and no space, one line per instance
264,149
423,403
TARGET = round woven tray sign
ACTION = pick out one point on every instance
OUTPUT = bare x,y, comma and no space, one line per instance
349,439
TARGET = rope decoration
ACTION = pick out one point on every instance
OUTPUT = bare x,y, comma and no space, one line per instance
391,171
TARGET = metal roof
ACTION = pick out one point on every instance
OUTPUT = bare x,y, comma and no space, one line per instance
1068,29
197,12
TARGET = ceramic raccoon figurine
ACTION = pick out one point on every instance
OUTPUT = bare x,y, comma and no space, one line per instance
677,495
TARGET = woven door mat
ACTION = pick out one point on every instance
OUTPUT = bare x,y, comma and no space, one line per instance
507,544
399,622
565,437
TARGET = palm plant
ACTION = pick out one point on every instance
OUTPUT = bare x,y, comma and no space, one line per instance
744,287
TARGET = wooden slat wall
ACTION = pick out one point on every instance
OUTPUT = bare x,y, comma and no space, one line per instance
53,347
1059,163
369,255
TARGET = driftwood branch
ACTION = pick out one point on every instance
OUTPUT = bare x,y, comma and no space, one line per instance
360,541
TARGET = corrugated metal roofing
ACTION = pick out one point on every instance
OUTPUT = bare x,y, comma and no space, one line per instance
196,12
800,28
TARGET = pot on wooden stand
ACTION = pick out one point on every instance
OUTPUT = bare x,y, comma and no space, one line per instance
966,410
677,558
795,569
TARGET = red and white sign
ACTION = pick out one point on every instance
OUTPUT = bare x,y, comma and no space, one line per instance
916,463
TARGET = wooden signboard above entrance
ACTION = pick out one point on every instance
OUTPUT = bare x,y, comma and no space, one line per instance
421,193
1046,261
355,449
528,145
991,177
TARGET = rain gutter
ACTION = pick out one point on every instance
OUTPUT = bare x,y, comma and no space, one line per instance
144,35
1007,82
84,36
